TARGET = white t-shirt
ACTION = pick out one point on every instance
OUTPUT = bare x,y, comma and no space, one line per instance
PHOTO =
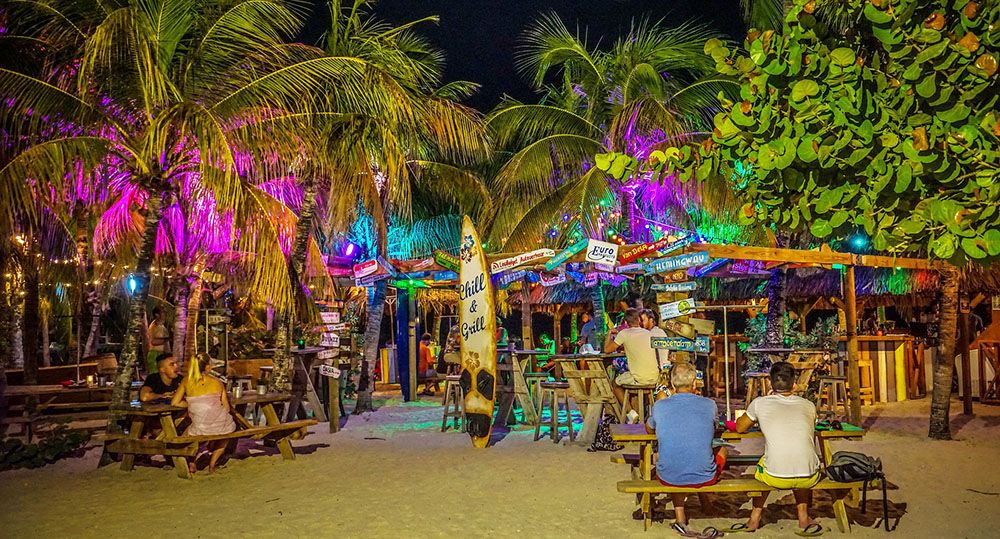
639,353
662,356
789,425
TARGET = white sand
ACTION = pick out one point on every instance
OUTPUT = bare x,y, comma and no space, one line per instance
414,481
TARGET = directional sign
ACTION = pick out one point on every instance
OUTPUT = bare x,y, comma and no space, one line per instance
520,260
677,262
337,327
510,277
590,280
677,308
630,268
327,354
365,268
675,287
550,279
712,266
331,340
326,370
702,326
446,260
566,255
370,279
602,252
680,344
330,317
664,246
445,276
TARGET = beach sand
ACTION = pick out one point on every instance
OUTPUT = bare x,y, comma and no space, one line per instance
392,473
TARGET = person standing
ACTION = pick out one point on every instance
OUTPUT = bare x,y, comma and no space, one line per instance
588,333
159,339
425,366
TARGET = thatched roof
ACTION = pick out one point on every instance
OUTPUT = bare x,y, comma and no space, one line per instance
812,283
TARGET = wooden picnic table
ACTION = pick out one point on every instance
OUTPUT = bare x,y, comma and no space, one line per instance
590,387
54,389
170,444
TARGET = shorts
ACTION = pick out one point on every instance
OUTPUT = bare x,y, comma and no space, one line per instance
428,374
720,463
627,378
785,483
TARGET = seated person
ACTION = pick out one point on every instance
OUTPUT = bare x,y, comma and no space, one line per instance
425,366
684,424
162,384
790,461
648,319
639,354
208,407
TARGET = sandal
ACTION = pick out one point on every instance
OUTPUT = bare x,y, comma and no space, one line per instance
742,527
683,530
811,530
710,532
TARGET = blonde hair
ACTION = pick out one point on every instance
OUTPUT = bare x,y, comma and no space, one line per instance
197,365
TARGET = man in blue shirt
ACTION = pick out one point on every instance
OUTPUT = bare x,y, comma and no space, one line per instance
588,333
685,425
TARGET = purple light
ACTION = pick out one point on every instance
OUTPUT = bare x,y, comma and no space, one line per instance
350,249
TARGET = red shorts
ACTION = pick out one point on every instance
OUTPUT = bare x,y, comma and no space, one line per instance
720,463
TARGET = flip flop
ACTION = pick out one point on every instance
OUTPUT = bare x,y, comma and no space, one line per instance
683,530
811,530
710,532
742,527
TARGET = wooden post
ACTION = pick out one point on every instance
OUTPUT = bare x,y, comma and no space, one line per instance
964,339
527,343
333,402
853,374
557,326
413,344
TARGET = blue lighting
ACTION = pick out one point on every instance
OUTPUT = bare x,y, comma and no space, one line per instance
859,241
132,284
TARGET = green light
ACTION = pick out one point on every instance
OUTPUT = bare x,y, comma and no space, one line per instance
837,266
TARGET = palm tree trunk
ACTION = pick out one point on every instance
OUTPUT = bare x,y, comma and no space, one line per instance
134,331
7,323
774,325
30,321
182,293
94,300
194,303
944,361
597,299
296,266
373,329
45,312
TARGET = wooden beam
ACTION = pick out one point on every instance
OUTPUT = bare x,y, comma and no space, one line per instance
853,374
771,254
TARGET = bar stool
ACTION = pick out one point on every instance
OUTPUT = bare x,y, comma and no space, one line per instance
643,393
866,377
828,397
454,396
758,385
551,393
532,380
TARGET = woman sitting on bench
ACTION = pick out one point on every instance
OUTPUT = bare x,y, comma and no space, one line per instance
208,407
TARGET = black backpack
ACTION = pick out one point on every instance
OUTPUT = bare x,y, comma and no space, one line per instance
603,441
850,467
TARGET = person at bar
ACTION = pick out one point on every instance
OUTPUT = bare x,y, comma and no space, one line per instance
161,384
425,367
788,423
588,334
685,424
158,337
639,354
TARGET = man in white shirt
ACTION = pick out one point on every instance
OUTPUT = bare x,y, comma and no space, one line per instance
790,461
648,318
639,353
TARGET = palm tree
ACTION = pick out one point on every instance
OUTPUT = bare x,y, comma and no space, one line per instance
381,162
648,90
168,89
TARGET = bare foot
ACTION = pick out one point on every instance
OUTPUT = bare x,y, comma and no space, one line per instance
192,468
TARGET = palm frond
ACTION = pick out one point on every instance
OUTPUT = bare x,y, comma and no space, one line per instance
548,45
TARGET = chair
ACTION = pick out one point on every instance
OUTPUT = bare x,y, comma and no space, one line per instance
832,393
551,393
643,394
455,397
866,381
533,379
758,385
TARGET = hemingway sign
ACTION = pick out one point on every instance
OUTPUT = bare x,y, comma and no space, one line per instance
677,262
520,260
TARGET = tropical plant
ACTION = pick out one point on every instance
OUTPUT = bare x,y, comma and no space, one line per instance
645,91
891,129
177,94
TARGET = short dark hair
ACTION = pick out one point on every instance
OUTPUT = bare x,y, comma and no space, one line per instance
632,317
425,337
163,357
783,376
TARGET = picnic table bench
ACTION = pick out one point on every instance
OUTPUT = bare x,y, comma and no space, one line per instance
645,487
179,447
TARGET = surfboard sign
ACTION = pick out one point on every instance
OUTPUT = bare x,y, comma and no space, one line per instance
477,324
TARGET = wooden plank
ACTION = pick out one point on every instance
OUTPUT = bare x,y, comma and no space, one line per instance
180,463
853,374
637,486
152,447
134,433
284,445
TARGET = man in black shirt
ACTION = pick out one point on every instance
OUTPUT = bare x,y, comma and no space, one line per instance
163,383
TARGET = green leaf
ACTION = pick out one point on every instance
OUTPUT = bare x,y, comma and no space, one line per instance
838,219
842,56
927,87
603,161
904,174
876,15
713,44
992,239
805,150
972,248
821,228
804,88
944,247
911,226
955,114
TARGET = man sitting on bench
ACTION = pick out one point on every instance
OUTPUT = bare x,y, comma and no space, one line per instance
685,424
790,461
161,385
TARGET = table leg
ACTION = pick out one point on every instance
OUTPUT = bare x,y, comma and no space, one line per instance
134,433
284,445
180,463
591,420
839,509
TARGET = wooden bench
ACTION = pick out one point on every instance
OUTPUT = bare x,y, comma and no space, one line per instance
181,446
648,489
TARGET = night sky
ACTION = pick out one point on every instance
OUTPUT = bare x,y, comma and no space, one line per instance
479,38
